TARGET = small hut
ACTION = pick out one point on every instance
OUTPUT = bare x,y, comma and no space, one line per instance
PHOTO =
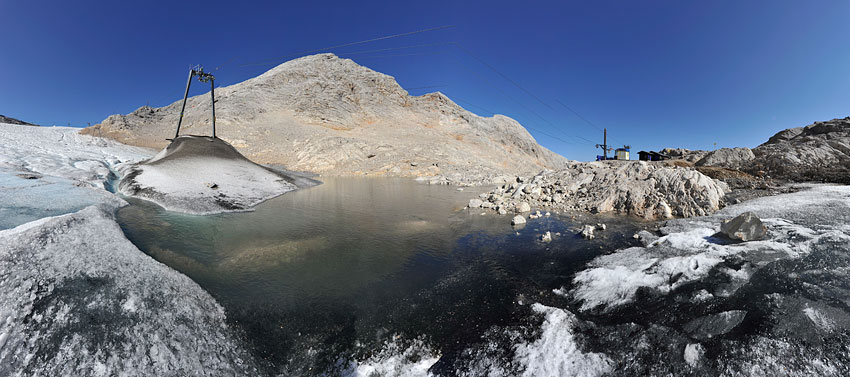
652,156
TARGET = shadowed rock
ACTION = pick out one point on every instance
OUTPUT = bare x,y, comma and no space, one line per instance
715,324
10,120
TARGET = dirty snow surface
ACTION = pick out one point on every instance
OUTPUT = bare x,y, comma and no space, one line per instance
77,298
48,171
63,152
776,306
203,175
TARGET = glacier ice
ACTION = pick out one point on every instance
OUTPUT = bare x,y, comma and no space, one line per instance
77,298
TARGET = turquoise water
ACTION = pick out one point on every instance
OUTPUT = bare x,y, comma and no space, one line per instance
25,197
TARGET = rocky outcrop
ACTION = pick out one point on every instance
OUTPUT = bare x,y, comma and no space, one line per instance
329,115
817,152
9,120
684,154
638,188
731,158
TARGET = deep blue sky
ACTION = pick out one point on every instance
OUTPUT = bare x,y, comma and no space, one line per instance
655,73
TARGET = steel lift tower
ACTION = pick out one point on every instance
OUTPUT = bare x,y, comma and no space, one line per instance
202,77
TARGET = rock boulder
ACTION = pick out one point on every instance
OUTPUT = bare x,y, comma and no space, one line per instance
745,227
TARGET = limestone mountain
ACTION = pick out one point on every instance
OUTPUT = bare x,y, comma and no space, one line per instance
325,114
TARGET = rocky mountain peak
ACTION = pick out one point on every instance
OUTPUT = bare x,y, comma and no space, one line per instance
323,113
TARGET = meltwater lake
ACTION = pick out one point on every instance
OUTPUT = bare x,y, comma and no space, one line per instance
373,272
390,277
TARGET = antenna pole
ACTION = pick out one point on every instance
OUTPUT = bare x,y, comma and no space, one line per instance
605,143
185,96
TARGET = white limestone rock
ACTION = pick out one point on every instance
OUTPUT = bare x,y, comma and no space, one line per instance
744,227
587,232
817,152
731,158
523,207
638,188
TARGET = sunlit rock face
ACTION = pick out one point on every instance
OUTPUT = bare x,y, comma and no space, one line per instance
203,175
329,115
637,188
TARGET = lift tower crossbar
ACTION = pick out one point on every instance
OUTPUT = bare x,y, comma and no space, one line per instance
202,77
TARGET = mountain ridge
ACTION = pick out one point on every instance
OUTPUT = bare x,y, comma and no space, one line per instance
329,115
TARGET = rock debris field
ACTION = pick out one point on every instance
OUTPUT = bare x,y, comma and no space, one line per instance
647,190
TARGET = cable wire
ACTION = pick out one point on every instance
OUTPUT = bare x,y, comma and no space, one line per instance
277,59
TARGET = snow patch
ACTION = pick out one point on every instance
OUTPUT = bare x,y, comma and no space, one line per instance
694,353
556,352
63,152
392,360
819,319
203,175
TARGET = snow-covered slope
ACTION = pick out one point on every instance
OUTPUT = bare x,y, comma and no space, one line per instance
64,152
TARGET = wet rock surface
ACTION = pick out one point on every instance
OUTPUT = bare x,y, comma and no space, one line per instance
713,325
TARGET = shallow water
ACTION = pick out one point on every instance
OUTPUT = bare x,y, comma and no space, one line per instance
323,279
25,197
